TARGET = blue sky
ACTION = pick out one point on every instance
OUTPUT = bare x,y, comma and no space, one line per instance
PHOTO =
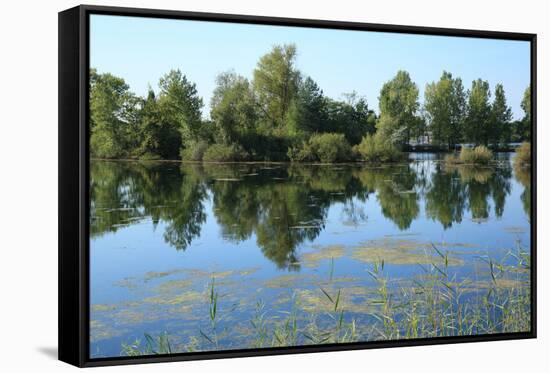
141,50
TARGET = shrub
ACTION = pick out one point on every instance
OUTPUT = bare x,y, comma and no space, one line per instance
224,153
302,153
478,155
330,147
374,149
194,151
325,147
523,155
150,157
103,146
452,159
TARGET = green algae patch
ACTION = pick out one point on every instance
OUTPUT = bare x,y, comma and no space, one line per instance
455,244
186,297
340,280
248,271
401,252
152,275
313,258
103,307
100,331
128,283
173,285
515,229
197,273
352,299
287,281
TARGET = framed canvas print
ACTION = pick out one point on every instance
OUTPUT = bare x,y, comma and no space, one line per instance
238,186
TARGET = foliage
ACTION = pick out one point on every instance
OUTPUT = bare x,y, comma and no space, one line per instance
523,155
194,151
279,114
325,147
445,104
308,112
526,106
501,116
181,106
159,138
452,159
113,122
480,155
352,117
303,152
375,149
276,83
224,153
477,125
398,109
233,110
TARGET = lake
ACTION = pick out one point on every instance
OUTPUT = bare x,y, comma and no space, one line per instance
230,256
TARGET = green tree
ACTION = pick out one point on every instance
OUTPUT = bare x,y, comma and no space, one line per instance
526,106
113,119
308,111
234,110
351,117
276,83
159,139
501,117
180,106
398,109
444,107
477,125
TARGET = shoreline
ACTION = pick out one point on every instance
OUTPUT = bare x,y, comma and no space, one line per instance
286,163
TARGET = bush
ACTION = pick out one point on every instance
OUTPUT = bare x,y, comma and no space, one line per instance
224,153
330,147
103,146
523,155
150,157
325,147
478,155
452,159
194,151
302,153
374,149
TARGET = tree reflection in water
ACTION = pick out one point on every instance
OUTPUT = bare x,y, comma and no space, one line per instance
283,206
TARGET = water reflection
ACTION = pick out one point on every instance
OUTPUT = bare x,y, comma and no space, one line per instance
284,206
523,176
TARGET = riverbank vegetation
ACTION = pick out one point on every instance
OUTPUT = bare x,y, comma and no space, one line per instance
281,114
480,155
523,156
435,303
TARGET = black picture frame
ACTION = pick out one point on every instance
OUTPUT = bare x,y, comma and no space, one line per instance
73,190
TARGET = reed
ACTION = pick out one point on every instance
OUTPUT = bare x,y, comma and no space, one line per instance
434,304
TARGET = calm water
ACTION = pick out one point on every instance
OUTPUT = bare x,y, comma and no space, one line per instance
270,235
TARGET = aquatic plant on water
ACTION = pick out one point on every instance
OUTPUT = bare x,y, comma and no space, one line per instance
434,304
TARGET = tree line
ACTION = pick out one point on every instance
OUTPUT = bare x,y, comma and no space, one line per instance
282,114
